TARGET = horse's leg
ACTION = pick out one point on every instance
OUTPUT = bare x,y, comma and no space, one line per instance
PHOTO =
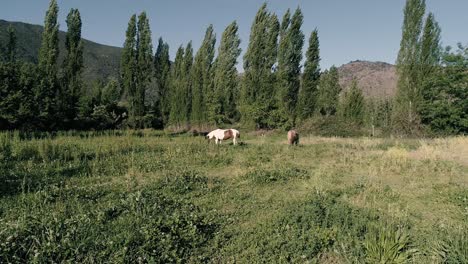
234,141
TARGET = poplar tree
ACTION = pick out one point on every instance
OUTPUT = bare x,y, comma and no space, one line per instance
310,79
46,91
258,87
137,67
180,88
353,104
226,76
329,91
144,69
162,67
178,97
187,82
430,47
289,59
202,89
72,65
129,65
408,98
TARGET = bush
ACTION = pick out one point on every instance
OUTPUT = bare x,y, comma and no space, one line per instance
332,126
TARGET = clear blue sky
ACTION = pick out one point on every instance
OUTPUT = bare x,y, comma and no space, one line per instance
348,29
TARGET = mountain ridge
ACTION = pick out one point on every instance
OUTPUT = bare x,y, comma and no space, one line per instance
100,61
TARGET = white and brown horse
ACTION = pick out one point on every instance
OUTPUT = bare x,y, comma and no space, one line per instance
223,134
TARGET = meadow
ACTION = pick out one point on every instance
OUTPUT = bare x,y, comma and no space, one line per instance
148,197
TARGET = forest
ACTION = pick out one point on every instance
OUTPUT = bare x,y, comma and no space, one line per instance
279,88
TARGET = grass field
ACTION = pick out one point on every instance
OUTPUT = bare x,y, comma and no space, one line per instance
147,197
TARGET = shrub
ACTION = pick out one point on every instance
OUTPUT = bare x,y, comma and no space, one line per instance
333,126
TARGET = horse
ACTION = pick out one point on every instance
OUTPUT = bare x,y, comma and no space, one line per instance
223,134
293,137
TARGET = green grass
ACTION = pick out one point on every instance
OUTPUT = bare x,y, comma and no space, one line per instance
144,196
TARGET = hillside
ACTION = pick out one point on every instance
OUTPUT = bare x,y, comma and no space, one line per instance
100,61
376,79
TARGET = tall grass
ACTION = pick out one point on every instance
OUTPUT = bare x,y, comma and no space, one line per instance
149,196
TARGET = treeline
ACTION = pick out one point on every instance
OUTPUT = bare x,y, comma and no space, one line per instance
202,89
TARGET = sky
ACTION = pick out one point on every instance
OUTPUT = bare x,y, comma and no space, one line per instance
348,29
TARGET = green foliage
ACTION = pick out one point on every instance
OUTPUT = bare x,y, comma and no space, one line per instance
262,176
181,88
73,65
453,249
226,84
258,86
289,59
328,92
9,94
162,67
332,126
445,96
163,230
46,91
203,94
144,68
406,118
388,244
10,52
353,104
310,79
137,67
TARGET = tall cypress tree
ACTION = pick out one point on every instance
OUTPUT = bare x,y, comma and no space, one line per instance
261,55
289,59
310,79
72,65
226,80
328,92
144,51
46,92
128,65
202,89
408,98
162,67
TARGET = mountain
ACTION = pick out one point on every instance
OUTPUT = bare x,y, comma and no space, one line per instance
100,61
376,79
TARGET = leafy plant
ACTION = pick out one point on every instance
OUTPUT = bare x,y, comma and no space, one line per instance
388,244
